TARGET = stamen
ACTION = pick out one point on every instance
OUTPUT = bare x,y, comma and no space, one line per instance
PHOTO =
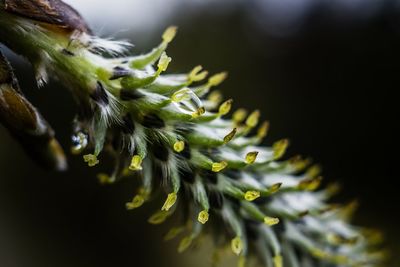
271,221
230,136
174,232
239,116
215,97
275,188
252,195
158,217
169,34
181,95
200,111
279,148
313,171
136,202
91,160
251,157
171,200
104,178
197,74
136,163
203,217
263,130
179,146
163,63
253,118
217,79
185,244
225,107
219,166
237,245
310,184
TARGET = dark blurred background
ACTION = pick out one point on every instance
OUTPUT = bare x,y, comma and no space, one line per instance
325,73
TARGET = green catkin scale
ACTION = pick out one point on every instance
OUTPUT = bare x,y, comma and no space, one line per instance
174,132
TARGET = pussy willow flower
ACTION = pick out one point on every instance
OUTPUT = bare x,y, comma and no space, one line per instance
174,133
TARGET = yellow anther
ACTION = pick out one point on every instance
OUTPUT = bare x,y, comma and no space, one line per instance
171,200
263,130
333,188
275,188
314,185
239,115
318,253
169,34
225,107
185,244
219,166
374,237
136,163
126,172
251,157
313,171
278,262
298,163
91,160
203,217
237,245
253,118
195,71
158,217
251,195
230,136
197,74
279,148
179,146
136,202
310,184
104,178
217,79
335,239
271,221
200,111
163,62
183,94
174,232
215,97
347,211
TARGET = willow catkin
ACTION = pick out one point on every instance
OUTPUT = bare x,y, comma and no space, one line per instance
174,132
